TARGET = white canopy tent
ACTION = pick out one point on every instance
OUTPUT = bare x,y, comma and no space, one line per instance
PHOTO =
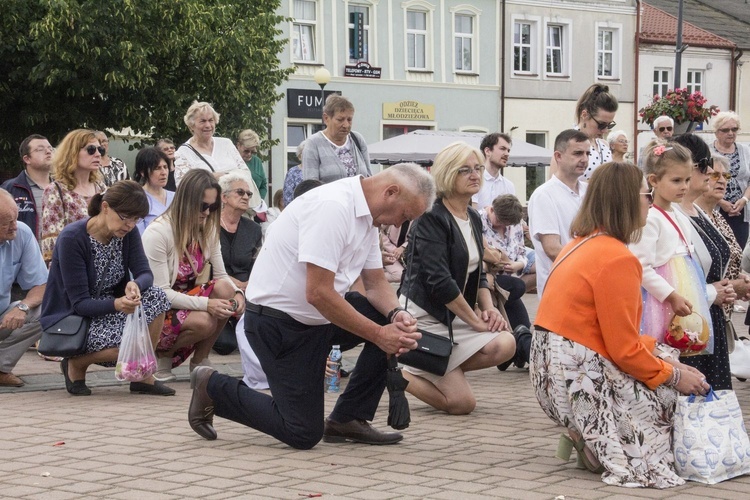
421,146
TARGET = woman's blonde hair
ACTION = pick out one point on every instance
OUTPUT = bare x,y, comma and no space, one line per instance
723,117
65,159
446,164
199,107
612,203
185,210
248,139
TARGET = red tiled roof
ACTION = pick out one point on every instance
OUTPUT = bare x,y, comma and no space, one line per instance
661,28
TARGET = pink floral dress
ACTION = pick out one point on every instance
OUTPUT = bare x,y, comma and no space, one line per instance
174,318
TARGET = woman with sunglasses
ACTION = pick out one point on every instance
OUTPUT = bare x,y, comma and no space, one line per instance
726,125
75,168
180,244
595,114
152,172
241,238
709,203
446,285
713,253
99,271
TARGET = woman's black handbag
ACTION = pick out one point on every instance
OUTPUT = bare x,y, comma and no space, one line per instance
433,351
66,338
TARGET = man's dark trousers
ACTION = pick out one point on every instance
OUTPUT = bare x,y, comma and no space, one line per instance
293,356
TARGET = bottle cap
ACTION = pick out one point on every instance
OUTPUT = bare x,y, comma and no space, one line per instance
336,347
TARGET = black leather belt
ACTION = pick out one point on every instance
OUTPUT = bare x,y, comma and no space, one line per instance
268,311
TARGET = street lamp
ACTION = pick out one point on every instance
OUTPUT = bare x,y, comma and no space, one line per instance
322,77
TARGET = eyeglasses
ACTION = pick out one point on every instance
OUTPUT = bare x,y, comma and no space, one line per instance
662,129
211,207
43,149
727,130
91,149
621,141
134,220
649,196
241,192
602,126
716,175
168,148
466,171
703,165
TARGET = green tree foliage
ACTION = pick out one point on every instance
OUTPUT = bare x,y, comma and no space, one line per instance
66,64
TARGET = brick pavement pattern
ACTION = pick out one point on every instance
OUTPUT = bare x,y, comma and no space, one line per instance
123,446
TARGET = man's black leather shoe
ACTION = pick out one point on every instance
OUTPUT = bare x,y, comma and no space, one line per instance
201,410
357,431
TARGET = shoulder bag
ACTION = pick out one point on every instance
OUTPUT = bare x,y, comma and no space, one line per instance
433,351
67,337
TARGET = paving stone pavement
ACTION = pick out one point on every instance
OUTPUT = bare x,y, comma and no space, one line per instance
115,445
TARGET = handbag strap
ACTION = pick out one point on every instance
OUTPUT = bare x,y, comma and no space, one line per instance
409,270
674,224
62,199
199,155
559,261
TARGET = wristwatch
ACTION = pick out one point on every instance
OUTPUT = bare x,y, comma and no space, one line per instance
23,307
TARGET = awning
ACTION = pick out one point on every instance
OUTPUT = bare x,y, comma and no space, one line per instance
421,146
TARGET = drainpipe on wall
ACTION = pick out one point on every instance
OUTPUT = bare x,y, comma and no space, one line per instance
502,67
733,89
637,76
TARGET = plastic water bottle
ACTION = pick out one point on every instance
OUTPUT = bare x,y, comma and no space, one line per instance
333,382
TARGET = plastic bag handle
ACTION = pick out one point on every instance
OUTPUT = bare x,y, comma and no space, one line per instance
710,396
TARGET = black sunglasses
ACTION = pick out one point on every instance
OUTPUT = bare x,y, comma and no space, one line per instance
91,149
703,164
211,207
602,126
241,192
662,129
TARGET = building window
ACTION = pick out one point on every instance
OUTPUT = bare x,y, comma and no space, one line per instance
661,81
535,176
605,53
390,131
359,33
464,42
303,30
694,81
295,134
522,47
554,49
416,39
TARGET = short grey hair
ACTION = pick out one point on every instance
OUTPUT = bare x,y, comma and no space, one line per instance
663,118
198,107
612,137
226,180
723,160
301,149
723,117
416,179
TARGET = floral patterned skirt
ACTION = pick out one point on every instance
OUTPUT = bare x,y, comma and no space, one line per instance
627,425
173,321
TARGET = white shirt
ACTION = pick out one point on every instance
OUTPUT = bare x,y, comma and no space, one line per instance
492,188
329,226
224,157
552,208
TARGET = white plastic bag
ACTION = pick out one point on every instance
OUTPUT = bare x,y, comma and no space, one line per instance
709,439
739,359
137,360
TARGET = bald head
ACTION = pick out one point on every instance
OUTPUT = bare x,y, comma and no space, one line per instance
399,194
8,216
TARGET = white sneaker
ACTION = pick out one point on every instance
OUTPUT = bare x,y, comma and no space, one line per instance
164,370
204,362
738,308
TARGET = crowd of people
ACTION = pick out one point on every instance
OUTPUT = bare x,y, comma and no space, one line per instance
344,257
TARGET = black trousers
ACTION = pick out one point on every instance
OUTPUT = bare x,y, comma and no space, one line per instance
514,307
293,356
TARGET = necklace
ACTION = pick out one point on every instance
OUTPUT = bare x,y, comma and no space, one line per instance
226,225
461,214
